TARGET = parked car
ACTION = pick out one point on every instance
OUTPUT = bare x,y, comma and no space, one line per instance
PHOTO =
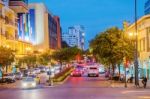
37,70
28,82
18,75
42,69
10,77
2,80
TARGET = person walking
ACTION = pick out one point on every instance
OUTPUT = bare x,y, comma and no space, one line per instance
144,81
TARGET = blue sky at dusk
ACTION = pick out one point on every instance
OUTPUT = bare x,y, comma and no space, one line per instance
95,15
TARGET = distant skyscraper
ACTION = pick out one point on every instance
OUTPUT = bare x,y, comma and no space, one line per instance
75,36
147,7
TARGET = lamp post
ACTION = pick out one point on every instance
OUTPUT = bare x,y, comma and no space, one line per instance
136,48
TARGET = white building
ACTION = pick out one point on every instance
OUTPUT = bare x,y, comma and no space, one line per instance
75,36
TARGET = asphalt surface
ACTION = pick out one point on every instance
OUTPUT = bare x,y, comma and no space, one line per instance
78,88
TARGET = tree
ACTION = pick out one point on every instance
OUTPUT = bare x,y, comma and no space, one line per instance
29,60
111,46
7,56
65,54
44,58
64,44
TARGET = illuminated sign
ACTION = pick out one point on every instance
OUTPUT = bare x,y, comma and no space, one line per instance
5,2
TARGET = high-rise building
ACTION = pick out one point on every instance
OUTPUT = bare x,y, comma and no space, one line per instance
58,31
21,8
9,30
44,27
147,7
75,36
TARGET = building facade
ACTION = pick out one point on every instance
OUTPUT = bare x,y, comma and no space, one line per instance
143,43
9,30
75,36
44,27
57,19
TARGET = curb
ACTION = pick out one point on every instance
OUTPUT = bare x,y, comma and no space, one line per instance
59,83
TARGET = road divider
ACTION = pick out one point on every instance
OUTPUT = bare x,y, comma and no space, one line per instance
62,76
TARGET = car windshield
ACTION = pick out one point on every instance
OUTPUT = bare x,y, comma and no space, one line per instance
29,79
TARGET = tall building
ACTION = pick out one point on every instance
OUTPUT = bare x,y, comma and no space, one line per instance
75,36
44,27
143,43
147,7
9,30
58,31
21,8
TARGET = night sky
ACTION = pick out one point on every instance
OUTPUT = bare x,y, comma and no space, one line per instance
95,15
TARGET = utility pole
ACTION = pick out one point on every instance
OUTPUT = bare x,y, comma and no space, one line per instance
136,47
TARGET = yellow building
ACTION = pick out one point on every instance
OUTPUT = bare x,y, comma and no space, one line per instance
143,25
9,32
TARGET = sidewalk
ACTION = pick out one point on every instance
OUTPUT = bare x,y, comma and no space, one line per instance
115,84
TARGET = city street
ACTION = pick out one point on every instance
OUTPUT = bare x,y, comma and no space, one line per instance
78,88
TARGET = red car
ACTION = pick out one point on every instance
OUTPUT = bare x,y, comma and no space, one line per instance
77,73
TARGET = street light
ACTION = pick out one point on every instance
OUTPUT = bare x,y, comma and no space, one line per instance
136,48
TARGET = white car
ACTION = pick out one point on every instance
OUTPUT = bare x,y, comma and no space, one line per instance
28,82
37,71
18,75
93,71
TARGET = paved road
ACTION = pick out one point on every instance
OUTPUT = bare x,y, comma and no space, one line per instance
77,88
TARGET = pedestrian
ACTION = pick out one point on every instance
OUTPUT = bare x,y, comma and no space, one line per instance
144,81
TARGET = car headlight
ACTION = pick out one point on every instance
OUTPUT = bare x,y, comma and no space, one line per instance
24,84
34,84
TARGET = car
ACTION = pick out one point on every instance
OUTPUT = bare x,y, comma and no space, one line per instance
2,80
32,75
42,69
18,75
28,82
37,70
93,71
9,77
77,73
25,72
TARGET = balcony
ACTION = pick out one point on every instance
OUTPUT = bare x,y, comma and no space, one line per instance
10,23
18,6
9,36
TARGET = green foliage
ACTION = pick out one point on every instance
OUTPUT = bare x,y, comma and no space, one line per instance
44,58
30,60
7,56
110,46
66,54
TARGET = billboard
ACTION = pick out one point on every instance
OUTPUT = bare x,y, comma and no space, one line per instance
5,2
